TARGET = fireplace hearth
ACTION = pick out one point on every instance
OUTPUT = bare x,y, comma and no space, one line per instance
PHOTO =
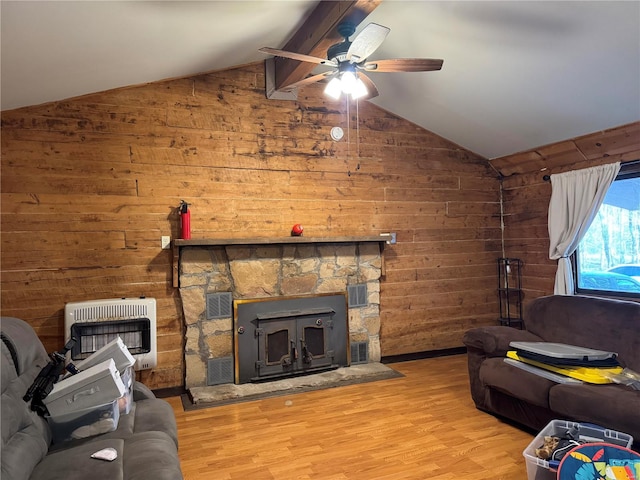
276,338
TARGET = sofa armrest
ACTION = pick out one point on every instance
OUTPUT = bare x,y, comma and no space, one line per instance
141,392
494,340
486,342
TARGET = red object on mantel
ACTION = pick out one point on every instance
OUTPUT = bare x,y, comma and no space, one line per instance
185,220
297,230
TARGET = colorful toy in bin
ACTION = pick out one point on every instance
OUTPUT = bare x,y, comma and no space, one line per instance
596,461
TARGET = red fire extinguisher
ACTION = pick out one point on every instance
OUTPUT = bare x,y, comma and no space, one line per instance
185,217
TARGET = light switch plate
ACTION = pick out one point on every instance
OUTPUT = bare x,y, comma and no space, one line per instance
165,241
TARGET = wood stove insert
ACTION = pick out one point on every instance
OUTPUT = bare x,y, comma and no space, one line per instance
284,337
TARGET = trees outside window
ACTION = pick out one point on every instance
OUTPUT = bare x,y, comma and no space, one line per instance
608,257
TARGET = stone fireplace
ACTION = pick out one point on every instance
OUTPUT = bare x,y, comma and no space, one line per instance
245,271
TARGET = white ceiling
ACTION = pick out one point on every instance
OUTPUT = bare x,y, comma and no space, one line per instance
516,74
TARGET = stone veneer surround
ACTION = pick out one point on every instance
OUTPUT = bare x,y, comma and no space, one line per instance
274,270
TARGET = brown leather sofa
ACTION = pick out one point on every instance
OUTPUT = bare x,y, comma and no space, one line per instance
533,401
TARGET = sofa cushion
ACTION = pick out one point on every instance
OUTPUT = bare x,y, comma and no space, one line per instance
611,406
600,323
151,455
27,345
143,456
533,389
155,414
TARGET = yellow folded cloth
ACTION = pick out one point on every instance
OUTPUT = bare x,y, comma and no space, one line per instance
596,375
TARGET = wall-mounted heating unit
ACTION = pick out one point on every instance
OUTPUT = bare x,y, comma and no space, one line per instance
95,323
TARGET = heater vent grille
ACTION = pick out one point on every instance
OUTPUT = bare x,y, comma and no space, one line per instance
219,305
97,322
113,311
359,353
357,295
219,370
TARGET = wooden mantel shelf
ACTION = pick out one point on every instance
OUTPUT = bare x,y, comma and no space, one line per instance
204,242
201,242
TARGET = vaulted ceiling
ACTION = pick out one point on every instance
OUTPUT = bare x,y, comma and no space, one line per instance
516,75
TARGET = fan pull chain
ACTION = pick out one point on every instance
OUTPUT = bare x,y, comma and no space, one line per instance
358,132
348,135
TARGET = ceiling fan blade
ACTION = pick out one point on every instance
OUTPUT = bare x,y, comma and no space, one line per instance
310,80
403,65
367,42
372,90
297,56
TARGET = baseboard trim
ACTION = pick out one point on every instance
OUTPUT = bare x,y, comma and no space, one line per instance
169,392
421,355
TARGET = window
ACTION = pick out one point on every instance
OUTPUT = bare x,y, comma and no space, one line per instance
607,261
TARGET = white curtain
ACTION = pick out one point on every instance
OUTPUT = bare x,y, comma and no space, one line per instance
575,199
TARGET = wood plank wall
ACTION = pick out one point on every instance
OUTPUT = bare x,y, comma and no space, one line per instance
89,185
526,195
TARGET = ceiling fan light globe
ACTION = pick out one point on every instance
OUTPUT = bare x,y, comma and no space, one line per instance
348,82
334,88
359,90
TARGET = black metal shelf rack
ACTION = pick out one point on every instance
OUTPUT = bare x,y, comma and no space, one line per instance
510,291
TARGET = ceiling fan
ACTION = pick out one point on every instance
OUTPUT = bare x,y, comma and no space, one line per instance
349,62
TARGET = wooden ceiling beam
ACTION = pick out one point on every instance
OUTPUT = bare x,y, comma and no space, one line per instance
316,35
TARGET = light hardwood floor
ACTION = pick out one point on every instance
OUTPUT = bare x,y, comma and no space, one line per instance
422,426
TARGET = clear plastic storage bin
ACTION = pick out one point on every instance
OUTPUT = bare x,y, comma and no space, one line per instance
538,469
85,423
124,402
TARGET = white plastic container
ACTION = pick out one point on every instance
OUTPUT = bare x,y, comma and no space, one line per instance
538,469
95,386
115,349
85,423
